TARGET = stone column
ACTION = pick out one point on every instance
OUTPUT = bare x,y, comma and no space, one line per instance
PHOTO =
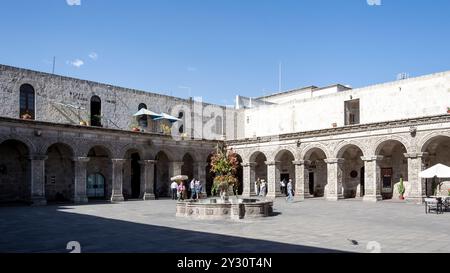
301,179
273,177
80,196
372,178
147,179
38,179
249,179
416,165
117,180
334,190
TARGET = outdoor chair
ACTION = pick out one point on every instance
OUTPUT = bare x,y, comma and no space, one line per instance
432,204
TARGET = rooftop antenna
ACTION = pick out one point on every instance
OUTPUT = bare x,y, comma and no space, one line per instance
54,64
402,76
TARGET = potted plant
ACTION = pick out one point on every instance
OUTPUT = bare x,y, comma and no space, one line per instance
83,123
135,127
448,190
401,189
448,110
224,165
165,129
27,116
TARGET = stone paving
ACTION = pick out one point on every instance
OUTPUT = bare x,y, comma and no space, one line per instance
151,226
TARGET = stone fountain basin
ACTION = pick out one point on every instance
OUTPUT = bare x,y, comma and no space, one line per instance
216,209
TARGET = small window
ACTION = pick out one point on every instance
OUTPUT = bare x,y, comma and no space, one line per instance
219,125
142,106
352,111
181,130
27,102
96,111
180,115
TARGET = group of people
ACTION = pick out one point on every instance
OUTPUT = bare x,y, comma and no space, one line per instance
287,188
180,191
261,187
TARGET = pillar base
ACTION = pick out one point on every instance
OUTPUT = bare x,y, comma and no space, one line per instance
301,197
372,198
335,198
149,196
81,200
117,198
38,201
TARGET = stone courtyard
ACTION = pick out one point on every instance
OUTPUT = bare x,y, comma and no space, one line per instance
313,225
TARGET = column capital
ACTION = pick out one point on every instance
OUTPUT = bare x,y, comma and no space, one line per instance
38,157
334,160
248,164
176,162
147,162
372,158
415,155
302,162
81,159
272,163
118,161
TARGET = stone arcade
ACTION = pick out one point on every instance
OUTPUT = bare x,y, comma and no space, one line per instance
334,142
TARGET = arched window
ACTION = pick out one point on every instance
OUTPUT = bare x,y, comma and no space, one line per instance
181,117
27,101
96,111
219,125
142,106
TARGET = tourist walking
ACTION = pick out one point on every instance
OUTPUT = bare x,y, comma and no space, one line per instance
192,188
283,186
263,189
290,191
181,191
257,186
174,188
197,189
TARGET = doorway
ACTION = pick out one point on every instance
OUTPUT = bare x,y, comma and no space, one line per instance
362,182
96,186
386,176
285,177
135,176
311,183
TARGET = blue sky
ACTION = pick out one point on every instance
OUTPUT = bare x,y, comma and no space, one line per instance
220,48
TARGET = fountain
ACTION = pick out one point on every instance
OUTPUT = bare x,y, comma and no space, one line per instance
224,165
218,209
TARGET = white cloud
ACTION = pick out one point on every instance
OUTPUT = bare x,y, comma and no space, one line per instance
76,63
73,2
93,56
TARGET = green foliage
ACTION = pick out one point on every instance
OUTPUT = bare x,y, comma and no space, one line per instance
401,187
224,165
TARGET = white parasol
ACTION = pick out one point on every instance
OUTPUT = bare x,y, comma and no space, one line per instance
439,171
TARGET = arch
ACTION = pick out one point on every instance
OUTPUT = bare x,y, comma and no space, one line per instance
132,174
15,182
59,173
86,147
255,154
125,150
344,146
427,139
100,164
161,176
279,152
379,144
169,153
310,149
28,143
27,101
96,111
43,149
352,169
393,165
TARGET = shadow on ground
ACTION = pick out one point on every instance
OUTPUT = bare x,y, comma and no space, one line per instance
49,229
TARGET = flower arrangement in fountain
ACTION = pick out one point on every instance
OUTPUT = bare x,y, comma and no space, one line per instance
224,164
